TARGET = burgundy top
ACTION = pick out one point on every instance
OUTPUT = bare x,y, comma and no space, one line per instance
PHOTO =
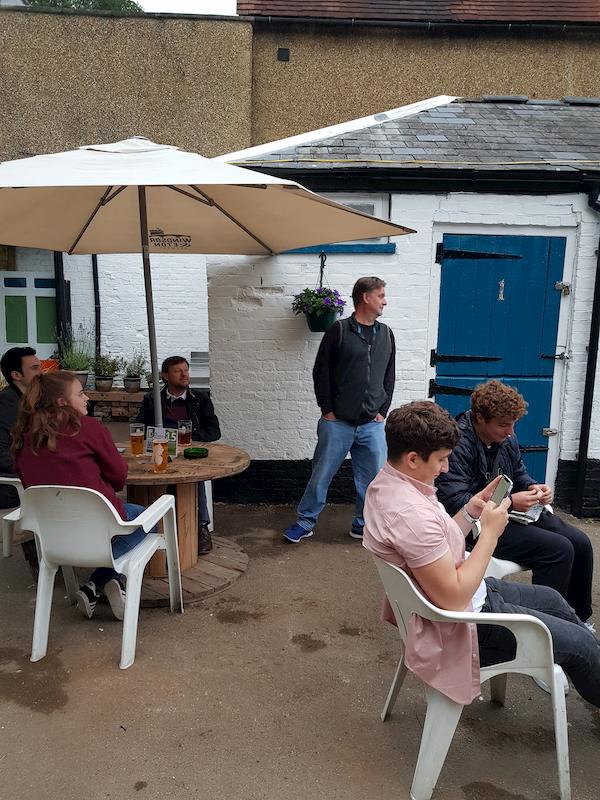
88,459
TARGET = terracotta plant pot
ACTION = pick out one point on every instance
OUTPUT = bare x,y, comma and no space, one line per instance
103,383
81,375
131,384
318,323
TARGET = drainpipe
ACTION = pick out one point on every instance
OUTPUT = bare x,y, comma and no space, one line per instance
63,316
590,375
97,309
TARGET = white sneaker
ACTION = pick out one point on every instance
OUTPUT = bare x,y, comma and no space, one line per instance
543,685
591,627
115,595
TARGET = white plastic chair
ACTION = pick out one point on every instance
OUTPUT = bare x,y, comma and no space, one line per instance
74,526
533,657
8,524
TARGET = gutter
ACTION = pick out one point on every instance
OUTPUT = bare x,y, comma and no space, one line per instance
429,25
590,374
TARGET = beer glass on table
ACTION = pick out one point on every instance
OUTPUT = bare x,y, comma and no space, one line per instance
160,454
136,438
184,432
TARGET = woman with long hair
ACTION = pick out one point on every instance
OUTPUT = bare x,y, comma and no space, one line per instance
54,442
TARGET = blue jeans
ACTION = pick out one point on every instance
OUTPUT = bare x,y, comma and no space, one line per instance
120,546
575,648
367,447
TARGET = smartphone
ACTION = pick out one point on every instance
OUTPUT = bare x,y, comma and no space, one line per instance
502,490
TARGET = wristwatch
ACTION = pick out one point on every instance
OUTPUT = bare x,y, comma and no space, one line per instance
475,524
468,516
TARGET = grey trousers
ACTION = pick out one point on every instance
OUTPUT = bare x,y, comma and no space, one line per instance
576,649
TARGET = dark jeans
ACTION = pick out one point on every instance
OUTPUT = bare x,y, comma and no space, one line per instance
575,648
558,554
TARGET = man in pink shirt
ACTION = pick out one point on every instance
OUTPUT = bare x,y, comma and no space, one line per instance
407,526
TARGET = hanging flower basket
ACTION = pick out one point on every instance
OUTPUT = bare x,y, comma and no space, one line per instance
321,306
318,323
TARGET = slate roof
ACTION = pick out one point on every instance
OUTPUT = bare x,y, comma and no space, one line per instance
528,135
575,11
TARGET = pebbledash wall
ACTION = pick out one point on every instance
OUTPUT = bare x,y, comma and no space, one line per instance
261,356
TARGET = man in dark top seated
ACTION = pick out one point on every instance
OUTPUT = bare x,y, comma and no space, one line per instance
558,554
18,365
179,402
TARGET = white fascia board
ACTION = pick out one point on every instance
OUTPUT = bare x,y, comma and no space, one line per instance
336,130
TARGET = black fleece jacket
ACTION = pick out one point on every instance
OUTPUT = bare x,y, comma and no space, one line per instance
468,472
354,377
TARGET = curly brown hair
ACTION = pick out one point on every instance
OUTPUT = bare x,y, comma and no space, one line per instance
496,399
422,427
42,416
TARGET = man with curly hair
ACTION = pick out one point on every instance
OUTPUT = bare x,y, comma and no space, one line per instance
558,554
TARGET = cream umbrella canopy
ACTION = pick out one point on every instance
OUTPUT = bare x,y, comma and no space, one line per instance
136,196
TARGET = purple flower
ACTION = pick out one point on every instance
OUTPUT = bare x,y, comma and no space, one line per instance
327,301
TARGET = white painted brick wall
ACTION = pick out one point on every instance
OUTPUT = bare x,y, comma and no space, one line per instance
180,299
262,356
180,302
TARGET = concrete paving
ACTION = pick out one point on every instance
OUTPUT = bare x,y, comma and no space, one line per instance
271,690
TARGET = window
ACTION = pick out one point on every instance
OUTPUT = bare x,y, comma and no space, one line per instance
377,205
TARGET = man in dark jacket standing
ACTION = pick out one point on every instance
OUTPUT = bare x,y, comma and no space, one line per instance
558,554
353,376
179,402
18,366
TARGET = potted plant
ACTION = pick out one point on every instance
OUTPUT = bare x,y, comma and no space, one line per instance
76,349
105,369
134,369
321,307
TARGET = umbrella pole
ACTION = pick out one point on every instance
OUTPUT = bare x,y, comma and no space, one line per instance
158,420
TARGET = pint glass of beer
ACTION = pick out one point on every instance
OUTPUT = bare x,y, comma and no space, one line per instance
136,438
160,454
184,432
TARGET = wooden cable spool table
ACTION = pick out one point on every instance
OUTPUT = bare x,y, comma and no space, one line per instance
224,564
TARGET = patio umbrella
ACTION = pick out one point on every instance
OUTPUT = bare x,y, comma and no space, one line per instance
137,196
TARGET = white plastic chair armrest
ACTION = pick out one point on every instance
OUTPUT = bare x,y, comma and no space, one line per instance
16,482
151,515
14,516
524,627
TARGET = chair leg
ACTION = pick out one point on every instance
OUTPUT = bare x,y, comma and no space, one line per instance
43,606
130,620
71,584
498,688
561,736
394,689
209,505
170,536
7,538
440,723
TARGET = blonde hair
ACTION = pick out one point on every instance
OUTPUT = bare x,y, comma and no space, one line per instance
42,416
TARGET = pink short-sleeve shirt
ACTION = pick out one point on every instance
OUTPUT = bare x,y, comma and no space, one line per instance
406,525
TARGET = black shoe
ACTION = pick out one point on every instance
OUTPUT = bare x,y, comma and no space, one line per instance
30,553
204,540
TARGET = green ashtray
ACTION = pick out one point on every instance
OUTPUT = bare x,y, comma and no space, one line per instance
195,452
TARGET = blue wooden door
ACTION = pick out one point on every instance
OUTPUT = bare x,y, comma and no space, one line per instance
499,310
